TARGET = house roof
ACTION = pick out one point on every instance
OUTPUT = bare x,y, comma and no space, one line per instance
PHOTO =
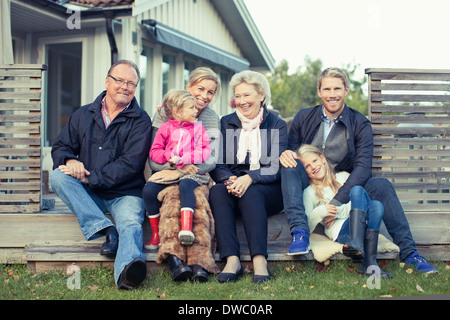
99,3
52,15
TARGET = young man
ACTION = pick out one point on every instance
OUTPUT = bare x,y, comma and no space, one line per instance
344,136
98,162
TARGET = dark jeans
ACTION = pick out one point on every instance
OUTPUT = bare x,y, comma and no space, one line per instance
151,190
295,180
361,200
258,202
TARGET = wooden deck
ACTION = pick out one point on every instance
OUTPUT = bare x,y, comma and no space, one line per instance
410,114
53,240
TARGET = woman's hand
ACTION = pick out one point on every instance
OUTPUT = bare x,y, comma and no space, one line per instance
164,176
238,186
189,169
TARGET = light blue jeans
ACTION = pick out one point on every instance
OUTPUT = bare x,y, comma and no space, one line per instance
128,213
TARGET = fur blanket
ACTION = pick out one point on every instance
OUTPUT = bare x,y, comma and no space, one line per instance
203,249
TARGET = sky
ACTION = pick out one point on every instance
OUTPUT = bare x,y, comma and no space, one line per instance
368,33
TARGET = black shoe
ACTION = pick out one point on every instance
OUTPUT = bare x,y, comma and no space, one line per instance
132,275
198,274
179,271
230,277
110,246
260,279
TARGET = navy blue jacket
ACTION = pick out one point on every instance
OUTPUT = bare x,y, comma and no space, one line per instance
273,140
358,161
116,156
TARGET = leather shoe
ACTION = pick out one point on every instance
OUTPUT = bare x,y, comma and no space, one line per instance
132,275
198,274
110,246
230,277
260,279
179,271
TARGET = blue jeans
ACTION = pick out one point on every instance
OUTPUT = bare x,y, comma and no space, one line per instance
127,211
295,180
361,200
394,217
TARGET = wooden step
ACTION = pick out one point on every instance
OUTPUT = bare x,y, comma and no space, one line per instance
46,241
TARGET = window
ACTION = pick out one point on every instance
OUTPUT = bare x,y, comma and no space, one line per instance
168,73
188,68
63,86
145,90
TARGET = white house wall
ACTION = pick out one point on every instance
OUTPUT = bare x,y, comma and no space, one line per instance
196,18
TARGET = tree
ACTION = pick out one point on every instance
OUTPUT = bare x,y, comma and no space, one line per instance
292,92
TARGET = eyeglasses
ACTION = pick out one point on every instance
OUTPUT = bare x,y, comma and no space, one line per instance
120,82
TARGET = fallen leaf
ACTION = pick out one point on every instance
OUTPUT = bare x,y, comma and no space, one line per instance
92,288
447,266
321,267
382,264
409,271
419,288
311,287
386,296
393,288
351,269
402,265
341,282
327,263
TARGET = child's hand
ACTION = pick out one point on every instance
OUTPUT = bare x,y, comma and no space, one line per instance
175,160
329,220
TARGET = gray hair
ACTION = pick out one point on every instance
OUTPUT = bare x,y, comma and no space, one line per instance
128,62
258,80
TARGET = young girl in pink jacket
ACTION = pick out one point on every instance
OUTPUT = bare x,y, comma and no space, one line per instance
179,141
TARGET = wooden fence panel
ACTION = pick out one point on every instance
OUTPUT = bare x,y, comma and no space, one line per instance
20,138
410,115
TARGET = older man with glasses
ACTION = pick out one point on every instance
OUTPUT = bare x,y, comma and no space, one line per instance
98,162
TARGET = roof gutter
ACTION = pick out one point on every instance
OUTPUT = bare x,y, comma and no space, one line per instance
109,16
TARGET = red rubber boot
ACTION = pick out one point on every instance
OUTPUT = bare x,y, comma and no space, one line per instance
186,236
153,243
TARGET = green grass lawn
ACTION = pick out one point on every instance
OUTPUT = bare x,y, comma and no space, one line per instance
306,280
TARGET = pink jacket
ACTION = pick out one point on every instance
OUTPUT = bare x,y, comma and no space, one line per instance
189,141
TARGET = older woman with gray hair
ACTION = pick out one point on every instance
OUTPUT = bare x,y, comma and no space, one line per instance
247,175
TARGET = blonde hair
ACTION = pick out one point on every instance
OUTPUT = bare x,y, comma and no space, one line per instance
332,73
329,179
258,80
175,100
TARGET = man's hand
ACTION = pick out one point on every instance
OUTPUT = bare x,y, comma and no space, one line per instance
287,159
75,169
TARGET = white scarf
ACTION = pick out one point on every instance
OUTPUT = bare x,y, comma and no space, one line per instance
250,139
